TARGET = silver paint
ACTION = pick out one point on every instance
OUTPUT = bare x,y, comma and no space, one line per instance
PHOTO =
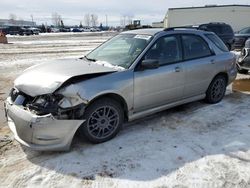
142,92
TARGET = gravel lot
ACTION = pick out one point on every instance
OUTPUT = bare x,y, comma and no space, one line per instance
194,145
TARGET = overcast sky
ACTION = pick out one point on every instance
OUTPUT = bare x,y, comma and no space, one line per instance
72,11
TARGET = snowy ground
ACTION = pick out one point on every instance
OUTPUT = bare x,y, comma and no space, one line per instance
194,145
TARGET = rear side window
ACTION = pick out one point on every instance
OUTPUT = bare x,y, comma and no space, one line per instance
217,41
194,47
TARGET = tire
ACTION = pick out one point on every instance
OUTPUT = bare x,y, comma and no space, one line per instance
100,127
216,90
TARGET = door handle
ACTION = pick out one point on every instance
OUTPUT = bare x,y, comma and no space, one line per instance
177,69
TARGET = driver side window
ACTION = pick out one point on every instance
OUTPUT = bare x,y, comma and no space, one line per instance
166,50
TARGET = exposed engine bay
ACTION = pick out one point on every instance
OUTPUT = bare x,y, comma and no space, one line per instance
46,104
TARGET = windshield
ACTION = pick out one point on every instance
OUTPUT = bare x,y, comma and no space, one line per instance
120,51
245,31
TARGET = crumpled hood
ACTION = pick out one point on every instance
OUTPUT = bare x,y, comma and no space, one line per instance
47,77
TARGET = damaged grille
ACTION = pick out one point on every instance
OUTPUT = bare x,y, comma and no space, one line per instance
46,104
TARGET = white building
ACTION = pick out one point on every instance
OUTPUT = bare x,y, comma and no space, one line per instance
7,22
238,16
158,24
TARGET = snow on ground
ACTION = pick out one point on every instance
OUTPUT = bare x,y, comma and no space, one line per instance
194,145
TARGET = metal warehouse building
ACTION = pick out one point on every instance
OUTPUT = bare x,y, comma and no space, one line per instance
6,22
238,16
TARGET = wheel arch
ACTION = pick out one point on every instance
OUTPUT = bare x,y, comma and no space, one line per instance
221,74
118,98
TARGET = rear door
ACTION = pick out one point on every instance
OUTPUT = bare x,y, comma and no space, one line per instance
199,62
165,84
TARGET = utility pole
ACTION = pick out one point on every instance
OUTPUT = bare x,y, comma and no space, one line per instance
32,19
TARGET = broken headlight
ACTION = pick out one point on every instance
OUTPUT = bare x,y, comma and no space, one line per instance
45,104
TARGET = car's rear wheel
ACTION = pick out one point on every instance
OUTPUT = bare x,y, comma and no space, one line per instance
104,118
216,90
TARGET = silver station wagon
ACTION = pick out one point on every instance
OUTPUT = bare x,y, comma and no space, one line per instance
132,75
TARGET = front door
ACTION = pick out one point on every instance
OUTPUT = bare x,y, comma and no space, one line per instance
165,84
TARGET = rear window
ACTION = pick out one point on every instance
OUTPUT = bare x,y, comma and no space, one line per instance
227,29
216,29
217,41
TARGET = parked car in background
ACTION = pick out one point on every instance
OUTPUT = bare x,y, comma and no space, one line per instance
243,62
86,29
15,30
54,30
241,37
31,30
34,30
76,30
134,74
222,30
64,29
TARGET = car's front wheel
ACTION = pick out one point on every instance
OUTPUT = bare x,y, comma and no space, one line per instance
216,90
104,118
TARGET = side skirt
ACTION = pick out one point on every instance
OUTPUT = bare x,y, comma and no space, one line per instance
164,107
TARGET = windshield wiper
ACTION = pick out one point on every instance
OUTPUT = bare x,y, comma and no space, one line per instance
89,59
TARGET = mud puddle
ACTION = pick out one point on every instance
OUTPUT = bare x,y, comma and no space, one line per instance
241,85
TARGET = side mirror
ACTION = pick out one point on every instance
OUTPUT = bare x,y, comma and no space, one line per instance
149,64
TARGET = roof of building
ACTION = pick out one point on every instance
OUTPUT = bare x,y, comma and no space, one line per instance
210,6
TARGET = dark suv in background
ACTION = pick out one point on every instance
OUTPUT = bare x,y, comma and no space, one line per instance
241,38
17,30
222,30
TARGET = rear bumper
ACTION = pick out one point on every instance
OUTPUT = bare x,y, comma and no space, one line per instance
40,132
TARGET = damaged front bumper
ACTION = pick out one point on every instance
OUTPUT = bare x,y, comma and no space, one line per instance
40,132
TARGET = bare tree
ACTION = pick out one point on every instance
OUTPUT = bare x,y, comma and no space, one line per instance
56,19
81,26
12,18
87,19
94,20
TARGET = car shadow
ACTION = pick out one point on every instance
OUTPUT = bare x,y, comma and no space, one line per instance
156,146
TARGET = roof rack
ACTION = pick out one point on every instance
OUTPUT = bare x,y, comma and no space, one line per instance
181,27
216,23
